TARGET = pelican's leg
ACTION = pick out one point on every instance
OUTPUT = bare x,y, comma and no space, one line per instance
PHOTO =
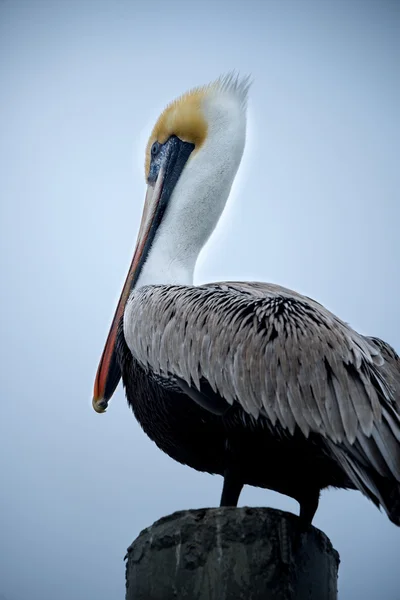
232,488
308,506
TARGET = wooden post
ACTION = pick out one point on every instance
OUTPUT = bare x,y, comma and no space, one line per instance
231,554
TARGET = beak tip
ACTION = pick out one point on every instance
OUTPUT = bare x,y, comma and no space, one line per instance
99,405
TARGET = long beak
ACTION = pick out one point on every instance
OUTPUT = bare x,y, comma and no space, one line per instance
158,193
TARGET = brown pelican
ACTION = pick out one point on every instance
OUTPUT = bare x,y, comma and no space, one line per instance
252,381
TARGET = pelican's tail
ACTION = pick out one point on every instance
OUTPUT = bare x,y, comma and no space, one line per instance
390,499
373,463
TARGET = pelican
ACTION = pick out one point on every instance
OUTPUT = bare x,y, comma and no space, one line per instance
251,381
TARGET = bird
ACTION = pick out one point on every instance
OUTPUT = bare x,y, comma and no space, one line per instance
248,380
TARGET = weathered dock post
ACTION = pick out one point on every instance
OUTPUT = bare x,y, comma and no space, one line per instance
231,554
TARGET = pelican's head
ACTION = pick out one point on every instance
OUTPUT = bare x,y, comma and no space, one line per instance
192,157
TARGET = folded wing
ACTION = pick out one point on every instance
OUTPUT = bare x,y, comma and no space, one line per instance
284,357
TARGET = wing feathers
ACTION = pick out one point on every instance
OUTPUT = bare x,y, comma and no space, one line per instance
278,353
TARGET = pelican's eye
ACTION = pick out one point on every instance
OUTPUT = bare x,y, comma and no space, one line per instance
155,149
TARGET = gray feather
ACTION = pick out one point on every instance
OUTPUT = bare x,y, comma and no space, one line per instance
282,355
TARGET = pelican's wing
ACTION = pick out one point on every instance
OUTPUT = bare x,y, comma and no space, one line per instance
277,353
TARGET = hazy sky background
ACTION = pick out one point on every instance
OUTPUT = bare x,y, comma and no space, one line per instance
315,208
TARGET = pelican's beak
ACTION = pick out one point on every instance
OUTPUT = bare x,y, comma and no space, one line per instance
166,172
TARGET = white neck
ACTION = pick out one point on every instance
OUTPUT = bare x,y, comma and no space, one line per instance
200,195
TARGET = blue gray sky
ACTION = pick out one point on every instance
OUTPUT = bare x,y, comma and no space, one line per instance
315,208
